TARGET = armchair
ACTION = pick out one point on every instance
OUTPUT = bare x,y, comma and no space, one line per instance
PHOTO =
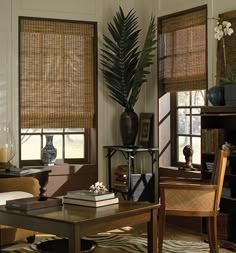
12,188
194,197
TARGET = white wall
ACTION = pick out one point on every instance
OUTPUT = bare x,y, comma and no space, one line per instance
100,11
5,60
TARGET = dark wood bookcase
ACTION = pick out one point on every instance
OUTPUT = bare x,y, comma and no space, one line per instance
218,125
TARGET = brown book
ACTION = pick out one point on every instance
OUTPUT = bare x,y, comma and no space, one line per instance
26,204
121,170
121,179
118,182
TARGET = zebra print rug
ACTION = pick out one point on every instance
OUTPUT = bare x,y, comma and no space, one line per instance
132,244
139,244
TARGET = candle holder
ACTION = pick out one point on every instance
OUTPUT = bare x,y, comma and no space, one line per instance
7,146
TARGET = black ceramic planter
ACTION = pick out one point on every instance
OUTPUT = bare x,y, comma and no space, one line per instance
128,127
230,94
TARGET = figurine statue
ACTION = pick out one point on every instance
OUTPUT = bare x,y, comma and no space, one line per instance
188,153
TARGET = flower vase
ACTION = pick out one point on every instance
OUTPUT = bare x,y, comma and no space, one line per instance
128,127
49,152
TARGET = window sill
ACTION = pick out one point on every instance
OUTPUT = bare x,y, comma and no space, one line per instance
169,171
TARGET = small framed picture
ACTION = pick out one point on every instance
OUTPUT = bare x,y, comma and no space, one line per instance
145,137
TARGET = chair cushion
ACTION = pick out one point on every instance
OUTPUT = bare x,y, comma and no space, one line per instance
4,196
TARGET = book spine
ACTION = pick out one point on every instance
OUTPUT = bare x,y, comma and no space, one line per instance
15,206
33,205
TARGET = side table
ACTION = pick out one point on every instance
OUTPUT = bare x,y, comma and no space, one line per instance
40,174
129,155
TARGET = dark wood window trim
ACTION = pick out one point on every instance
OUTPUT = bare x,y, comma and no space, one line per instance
174,127
173,97
90,134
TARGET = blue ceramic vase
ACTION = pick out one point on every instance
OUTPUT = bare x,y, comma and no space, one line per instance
216,95
49,152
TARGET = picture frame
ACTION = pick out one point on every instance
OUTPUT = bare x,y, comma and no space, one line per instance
146,124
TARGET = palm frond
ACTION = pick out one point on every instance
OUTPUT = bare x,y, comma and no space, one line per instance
124,65
145,61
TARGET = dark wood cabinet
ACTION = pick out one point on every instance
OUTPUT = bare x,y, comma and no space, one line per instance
218,126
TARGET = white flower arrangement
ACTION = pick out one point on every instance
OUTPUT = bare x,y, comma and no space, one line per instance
222,30
98,187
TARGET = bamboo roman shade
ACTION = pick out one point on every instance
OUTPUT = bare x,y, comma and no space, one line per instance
182,51
57,73
230,46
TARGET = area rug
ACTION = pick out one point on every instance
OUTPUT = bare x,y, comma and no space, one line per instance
132,244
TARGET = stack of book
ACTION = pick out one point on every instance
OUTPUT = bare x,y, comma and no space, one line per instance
121,178
210,166
212,139
91,199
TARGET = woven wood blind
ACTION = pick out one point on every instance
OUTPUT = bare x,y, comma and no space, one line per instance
230,46
182,51
57,63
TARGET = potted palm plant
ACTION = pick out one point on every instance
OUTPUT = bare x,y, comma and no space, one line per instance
125,67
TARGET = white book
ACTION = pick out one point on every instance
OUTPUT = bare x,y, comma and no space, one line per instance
87,195
80,202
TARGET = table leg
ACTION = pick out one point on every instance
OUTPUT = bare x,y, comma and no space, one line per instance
130,194
152,232
43,181
109,155
74,241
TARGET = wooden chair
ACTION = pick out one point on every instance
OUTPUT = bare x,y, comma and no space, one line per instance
8,189
194,197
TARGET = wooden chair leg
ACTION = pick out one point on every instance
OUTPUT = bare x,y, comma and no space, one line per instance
215,235
209,233
162,217
212,234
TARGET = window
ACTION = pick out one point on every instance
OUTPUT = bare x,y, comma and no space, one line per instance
182,54
57,88
71,145
188,123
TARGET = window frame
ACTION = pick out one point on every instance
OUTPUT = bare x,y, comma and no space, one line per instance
38,162
90,134
174,129
172,91
179,85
